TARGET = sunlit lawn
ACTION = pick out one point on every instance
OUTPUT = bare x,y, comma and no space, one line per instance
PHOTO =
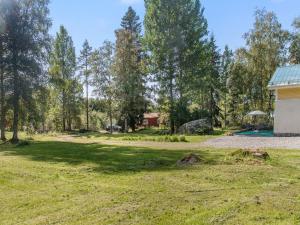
50,182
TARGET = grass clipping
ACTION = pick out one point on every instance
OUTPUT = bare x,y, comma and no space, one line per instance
254,155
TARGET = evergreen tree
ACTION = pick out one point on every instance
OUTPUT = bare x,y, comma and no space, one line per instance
212,78
129,80
3,80
85,69
239,84
129,70
174,33
131,22
62,70
103,79
226,61
27,25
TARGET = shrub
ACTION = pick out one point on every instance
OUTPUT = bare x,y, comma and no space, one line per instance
203,131
182,138
174,139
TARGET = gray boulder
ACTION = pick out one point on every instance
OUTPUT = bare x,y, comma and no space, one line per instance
201,126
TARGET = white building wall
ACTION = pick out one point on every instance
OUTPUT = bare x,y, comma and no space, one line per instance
287,117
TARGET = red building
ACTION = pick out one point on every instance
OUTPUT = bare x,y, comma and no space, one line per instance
151,120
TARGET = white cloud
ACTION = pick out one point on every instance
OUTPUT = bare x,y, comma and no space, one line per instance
131,2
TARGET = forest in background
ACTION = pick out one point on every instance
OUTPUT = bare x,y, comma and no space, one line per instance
168,63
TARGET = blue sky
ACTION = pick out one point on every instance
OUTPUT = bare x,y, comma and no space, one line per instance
96,20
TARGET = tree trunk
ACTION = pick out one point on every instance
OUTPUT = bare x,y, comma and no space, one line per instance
110,116
126,125
87,104
15,138
69,120
132,123
172,122
2,107
225,113
16,96
64,112
211,107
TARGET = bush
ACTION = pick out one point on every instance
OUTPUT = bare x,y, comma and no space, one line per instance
174,139
166,138
203,131
182,138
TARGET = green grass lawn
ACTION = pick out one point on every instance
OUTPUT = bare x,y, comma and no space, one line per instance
52,182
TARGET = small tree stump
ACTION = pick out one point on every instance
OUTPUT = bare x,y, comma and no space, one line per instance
189,160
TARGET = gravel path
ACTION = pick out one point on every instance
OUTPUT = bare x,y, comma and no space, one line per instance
254,142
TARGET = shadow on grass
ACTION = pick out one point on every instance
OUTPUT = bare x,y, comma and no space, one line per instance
106,158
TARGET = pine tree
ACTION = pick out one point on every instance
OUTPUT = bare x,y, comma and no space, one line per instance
131,22
129,70
85,69
212,77
174,34
62,71
27,25
103,79
226,61
2,86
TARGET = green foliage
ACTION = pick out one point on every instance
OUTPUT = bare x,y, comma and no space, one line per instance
162,138
294,57
130,72
85,69
62,75
203,131
104,81
174,34
26,42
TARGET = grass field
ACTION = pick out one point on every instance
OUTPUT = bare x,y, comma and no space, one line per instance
62,180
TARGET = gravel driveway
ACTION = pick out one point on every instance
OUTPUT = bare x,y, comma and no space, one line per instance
254,142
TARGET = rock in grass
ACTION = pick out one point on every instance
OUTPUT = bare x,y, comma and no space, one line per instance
255,153
201,127
189,160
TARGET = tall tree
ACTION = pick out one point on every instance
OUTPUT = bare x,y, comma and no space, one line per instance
62,70
27,25
226,61
241,88
295,45
3,53
129,70
174,33
85,69
103,79
2,86
266,44
212,78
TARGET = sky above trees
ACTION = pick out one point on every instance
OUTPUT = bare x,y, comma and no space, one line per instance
97,20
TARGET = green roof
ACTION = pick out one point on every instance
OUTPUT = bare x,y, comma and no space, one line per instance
286,76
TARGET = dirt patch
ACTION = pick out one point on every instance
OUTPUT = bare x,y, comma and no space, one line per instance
189,160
